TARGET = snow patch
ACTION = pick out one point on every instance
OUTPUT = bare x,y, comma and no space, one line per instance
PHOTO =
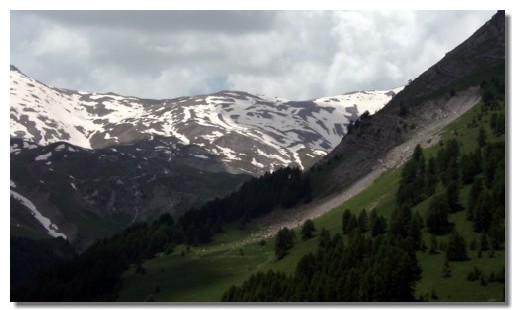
44,157
13,184
201,156
320,152
47,224
256,163
275,122
15,149
230,154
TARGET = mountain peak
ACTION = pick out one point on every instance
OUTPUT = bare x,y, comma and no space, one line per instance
247,133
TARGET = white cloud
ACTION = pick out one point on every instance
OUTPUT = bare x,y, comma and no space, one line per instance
292,54
55,41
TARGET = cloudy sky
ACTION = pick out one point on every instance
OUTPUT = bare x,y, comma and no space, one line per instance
291,54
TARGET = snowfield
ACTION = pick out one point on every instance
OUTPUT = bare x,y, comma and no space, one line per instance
47,224
231,125
44,156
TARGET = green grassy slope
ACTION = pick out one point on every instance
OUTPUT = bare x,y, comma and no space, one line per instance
205,272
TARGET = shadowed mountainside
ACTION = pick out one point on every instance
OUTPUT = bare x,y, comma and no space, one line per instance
426,98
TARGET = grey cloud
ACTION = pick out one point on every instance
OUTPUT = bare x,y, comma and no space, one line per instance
232,22
292,54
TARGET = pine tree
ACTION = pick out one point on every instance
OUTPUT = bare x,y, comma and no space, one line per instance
307,230
483,244
400,221
475,192
415,231
283,243
324,239
437,219
452,196
363,221
470,166
379,226
346,218
456,247
412,185
452,171
482,216
431,178
481,138
353,223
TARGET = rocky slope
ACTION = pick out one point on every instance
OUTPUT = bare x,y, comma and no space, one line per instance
435,95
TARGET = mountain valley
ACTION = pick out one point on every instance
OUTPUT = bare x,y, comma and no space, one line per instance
370,196
94,163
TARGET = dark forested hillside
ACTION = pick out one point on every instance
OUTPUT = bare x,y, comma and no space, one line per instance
283,188
29,255
93,275
352,268
363,263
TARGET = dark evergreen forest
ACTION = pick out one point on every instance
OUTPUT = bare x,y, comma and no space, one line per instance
363,263
94,275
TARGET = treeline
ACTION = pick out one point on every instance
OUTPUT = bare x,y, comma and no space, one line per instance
94,275
282,188
358,267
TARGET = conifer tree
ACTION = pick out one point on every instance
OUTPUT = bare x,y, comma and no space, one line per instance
456,247
482,215
307,230
363,221
346,218
475,192
283,243
437,219
481,138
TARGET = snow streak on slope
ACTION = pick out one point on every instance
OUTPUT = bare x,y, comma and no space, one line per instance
47,224
234,127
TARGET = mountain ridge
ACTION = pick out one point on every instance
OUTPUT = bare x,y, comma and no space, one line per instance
249,133
126,159
427,97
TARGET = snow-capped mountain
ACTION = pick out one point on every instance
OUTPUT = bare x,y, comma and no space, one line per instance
226,131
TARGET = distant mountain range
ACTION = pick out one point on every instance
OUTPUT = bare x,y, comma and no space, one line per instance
84,165
230,130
